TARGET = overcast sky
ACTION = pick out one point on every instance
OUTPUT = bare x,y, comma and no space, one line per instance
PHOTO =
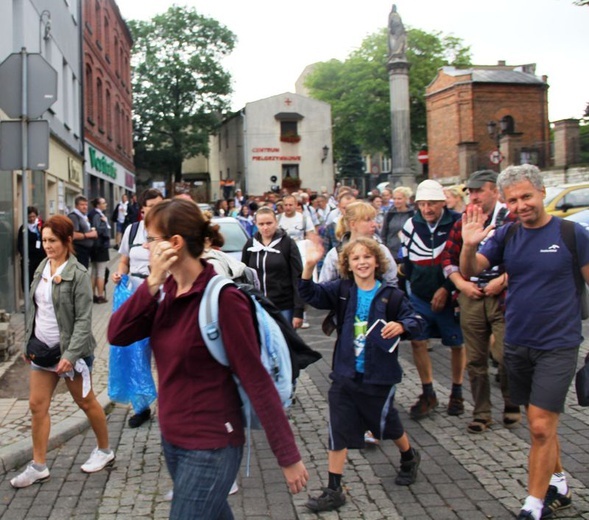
276,39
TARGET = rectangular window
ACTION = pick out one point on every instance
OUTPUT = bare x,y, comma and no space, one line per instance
290,170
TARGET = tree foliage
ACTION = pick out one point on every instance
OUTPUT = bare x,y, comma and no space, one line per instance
179,85
358,88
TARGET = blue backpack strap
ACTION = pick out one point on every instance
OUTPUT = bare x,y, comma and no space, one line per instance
208,318
208,321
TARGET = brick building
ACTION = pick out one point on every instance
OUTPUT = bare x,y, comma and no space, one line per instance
461,104
108,150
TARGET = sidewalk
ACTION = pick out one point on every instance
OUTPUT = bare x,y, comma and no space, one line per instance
67,419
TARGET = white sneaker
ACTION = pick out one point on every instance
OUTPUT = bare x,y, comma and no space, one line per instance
369,438
305,325
98,460
169,495
29,477
234,488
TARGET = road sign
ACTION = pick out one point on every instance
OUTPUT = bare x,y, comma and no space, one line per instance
375,169
41,88
495,157
422,156
11,145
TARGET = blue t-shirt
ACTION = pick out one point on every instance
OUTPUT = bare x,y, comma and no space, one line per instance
361,323
543,310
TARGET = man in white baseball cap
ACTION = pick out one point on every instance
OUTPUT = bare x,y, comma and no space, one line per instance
424,237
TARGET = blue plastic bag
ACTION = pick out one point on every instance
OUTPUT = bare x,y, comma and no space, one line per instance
129,375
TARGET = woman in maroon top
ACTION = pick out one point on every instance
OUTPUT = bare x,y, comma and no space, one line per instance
199,405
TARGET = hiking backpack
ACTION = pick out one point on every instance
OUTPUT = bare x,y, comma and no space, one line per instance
274,351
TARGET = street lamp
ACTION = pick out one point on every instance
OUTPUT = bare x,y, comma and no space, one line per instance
496,133
44,28
325,150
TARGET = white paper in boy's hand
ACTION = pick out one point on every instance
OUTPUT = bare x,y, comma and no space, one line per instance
375,335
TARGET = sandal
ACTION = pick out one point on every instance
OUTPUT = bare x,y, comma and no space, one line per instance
511,416
479,426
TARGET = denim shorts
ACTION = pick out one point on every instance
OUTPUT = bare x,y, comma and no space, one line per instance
89,361
438,324
202,480
540,377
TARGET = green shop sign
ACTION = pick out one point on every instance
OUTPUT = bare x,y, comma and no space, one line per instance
102,164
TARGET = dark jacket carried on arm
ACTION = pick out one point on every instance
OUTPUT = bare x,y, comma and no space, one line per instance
381,367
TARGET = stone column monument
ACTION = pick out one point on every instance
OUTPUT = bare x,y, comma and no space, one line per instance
398,67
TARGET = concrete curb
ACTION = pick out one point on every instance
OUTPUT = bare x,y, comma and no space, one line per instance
21,452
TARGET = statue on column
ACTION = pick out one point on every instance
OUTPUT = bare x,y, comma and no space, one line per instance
397,36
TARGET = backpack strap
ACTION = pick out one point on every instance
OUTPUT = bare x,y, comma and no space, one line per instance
512,230
567,231
394,303
342,303
208,318
133,234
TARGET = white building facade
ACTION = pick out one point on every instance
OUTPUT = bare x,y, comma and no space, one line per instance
273,142
50,28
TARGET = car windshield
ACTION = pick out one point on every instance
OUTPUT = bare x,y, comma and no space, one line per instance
551,193
234,236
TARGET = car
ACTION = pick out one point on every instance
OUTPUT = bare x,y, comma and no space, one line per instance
203,206
567,199
582,217
234,235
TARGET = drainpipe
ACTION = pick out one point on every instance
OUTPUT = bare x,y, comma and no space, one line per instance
245,152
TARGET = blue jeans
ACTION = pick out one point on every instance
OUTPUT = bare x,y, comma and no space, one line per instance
288,315
202,480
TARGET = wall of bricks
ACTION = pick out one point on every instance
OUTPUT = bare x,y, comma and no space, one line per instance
107,80
458,111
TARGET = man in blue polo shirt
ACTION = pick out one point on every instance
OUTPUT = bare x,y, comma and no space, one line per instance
543,320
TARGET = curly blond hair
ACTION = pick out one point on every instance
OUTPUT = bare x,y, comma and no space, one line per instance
373,247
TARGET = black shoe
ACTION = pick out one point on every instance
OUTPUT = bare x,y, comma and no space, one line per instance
408,471
329,500
456,406
423,407
554,501
139,418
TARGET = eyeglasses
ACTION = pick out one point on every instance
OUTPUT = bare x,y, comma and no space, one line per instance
149,239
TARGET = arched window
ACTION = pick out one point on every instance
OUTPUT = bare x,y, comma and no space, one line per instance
108,115
507,125
107,36
99,105
98,19
116,53
117,125
89,86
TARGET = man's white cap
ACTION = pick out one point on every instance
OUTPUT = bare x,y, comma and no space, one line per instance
429,190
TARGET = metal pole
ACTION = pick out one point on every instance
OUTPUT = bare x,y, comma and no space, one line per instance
25,184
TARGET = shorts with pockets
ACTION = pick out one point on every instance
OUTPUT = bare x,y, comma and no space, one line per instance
442,324
355,407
